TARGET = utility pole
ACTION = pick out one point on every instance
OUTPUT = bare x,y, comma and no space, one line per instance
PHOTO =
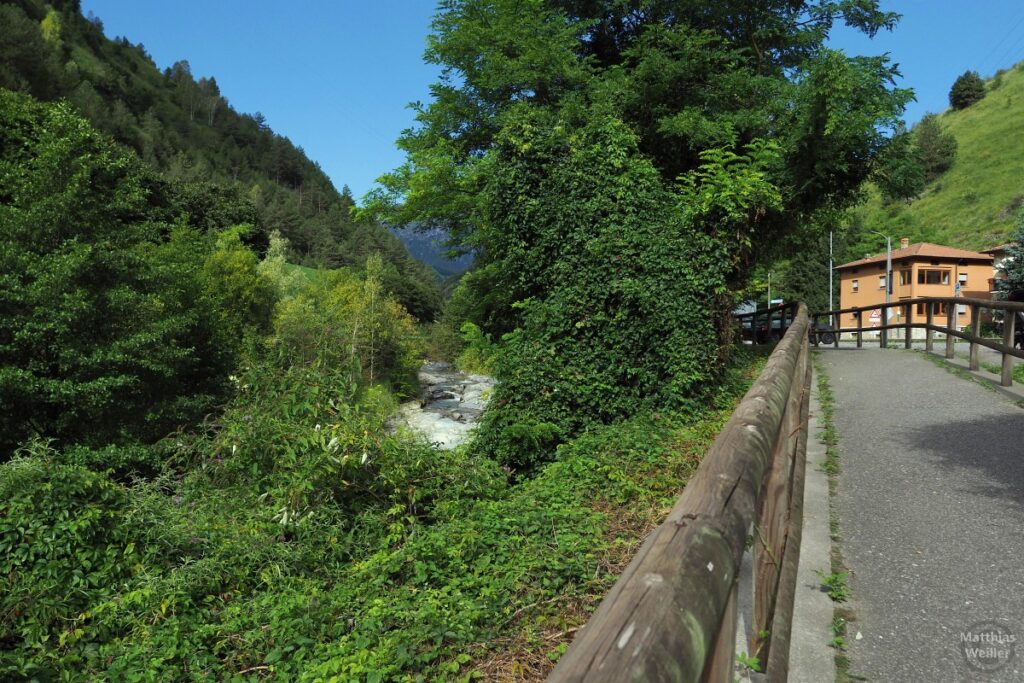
888,273
830,306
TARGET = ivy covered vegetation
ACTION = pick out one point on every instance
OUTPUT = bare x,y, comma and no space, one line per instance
622,169
199,478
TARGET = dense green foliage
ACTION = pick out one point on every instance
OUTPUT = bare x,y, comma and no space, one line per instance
113,321
119,327
183,126
974,189
1012,268
916,159
936,147
296,540
619,169
900,173
603,256
967,89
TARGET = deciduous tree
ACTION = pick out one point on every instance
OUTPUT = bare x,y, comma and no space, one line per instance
650,146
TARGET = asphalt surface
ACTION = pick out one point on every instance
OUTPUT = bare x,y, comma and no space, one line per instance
931,511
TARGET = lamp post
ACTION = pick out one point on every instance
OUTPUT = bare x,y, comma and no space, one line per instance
888,273
830,306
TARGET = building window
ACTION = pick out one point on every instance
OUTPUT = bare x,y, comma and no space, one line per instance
856,285
933,277
904,277
881,282
937,309
961,309
963,279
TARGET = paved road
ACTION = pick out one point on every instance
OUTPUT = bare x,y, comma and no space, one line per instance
962,350
931,511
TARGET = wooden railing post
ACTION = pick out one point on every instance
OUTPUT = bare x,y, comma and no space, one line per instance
929,334
837,324
950,327
883,333
1009,321
860,328
906,328
975,335
720,661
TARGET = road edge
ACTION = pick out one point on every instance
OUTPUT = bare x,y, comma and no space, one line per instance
811,660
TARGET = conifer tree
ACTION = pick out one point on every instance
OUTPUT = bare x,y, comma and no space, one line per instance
967,89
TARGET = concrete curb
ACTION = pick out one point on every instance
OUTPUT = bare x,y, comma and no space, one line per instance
811,660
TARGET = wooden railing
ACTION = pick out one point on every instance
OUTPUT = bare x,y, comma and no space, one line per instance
672,615
754,321
1005,346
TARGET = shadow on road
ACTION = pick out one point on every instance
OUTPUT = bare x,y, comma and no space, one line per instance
991,446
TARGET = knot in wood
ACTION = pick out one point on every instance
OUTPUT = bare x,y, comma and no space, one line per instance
682,520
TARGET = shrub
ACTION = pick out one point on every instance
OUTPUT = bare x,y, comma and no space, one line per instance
477,356
967,89
343,321
64,546
619,289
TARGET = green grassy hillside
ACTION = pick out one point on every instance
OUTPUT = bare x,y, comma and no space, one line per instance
972,205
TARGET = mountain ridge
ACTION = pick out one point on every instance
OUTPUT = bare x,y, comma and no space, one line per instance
186,129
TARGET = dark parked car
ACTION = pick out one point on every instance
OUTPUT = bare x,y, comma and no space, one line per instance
763,335
822,333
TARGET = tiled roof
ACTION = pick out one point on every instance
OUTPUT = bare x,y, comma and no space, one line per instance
922,250
1001,248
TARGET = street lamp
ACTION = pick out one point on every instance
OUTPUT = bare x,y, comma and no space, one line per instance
830,270
888,273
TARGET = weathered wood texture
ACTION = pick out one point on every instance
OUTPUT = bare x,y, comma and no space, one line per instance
782,620
670,615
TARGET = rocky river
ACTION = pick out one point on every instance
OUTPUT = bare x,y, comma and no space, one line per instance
449,406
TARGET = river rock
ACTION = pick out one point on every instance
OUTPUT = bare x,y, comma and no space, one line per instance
450,404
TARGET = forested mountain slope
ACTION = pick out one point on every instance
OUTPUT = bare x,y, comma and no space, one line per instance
187,129
973,204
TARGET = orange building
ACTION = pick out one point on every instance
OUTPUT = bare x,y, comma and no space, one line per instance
918,270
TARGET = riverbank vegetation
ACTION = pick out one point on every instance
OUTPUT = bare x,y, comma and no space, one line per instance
621,170
199,479
201,483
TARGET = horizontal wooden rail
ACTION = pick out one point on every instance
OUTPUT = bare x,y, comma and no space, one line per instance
785,313
1006,346
672,614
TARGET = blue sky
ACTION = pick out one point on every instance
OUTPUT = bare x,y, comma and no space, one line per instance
336,76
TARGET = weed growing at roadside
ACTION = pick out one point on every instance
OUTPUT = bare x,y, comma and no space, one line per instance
835,585
831,467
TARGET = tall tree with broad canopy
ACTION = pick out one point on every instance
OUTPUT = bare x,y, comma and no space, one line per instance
578,140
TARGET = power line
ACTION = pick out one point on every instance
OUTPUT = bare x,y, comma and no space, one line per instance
999,44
